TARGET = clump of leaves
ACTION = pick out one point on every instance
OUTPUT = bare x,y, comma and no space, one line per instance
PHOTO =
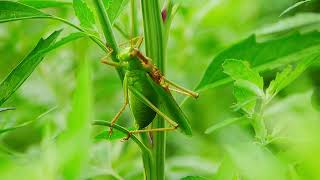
251,96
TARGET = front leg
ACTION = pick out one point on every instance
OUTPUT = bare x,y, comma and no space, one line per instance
126,101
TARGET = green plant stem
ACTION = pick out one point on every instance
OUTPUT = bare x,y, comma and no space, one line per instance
171,10
152,24
146,153
92,37
108,33
153,32
147,164
134,19
144,136
258,122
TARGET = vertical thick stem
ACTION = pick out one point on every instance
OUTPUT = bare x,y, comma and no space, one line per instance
147,162
108,33
152,23
112,43
149,170
153,31
134,19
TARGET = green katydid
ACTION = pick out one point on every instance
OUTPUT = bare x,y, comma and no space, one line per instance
145,88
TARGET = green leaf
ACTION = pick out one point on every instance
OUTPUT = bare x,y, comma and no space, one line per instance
114,8
12,11
294,6
223,124
262,55
84,14
39,4
116,135
7,109
15,79
279,82
249,86
193,178
240,70
248,83
288,75
20,73
237,107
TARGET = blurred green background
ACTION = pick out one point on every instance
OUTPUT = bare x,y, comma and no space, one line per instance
200,30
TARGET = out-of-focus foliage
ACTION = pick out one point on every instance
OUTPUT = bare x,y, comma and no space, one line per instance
201,31
263,56
114,8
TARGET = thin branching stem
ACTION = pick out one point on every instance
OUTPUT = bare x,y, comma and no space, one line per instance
108,33
94,38
124,130
146,153
258,122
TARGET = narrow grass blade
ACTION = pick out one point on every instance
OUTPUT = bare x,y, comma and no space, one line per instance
25,123
291,23
39,4
16,127
294,6
223,124
12,11
7,109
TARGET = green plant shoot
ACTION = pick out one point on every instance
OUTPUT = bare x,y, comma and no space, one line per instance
145,88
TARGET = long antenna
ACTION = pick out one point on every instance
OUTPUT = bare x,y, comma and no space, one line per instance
132,22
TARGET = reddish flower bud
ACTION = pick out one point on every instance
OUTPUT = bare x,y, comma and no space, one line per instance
164,14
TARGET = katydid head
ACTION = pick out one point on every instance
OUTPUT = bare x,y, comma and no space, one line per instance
128,57
125,54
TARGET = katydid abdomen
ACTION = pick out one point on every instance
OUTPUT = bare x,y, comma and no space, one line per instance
142,113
